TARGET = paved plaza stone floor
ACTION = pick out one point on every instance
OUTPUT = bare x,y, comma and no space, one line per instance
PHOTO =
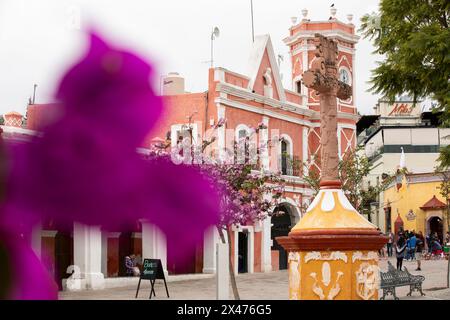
261,286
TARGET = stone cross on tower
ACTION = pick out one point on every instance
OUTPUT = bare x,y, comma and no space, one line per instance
323,77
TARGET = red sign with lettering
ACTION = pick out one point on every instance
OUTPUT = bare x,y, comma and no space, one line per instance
401,109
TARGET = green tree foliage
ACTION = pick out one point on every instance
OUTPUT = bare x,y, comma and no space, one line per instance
353,168
413,36
443,169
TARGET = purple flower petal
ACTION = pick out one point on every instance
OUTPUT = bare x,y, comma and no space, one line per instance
25,276
183,203
75,173
112,88
85,168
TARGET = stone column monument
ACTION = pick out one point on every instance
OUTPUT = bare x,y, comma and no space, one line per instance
333,250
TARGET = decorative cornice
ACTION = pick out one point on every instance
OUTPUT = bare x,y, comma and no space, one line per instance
244,77
309,34
287,106
311,47
332,241
266,112
247,94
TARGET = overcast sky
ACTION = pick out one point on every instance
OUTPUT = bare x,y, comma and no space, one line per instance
39,39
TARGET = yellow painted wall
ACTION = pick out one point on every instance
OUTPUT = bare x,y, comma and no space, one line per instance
411,197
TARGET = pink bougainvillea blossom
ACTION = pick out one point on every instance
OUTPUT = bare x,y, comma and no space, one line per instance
85,167
22,274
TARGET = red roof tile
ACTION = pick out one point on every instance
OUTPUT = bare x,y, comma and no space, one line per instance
433,203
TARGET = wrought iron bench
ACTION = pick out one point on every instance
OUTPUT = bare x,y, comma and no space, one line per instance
398,278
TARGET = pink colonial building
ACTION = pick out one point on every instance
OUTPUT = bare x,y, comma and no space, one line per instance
291,129
290,116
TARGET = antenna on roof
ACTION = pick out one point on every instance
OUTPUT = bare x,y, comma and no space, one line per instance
280,59
253,26
34,93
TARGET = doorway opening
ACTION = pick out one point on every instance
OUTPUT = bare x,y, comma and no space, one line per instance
243,251
282,223
436,227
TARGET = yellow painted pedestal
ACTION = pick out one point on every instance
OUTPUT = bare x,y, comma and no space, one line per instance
333,252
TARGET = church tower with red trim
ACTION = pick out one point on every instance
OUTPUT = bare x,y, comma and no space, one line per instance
302,54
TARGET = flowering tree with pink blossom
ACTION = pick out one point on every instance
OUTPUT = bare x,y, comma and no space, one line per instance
246,195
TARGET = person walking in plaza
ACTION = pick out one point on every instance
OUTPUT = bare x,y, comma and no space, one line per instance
419,249
381,251
400,250
412,246
407,252
390,243
429,240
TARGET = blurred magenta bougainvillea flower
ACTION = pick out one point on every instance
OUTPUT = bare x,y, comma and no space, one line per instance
85,166
22,274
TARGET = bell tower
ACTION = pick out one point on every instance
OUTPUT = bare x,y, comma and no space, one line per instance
302,54
301,42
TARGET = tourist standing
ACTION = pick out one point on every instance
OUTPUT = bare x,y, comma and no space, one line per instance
390,243
428,240
400,250
419,249
381,251
412,246
407,252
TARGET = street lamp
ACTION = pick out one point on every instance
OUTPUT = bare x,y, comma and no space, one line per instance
215,34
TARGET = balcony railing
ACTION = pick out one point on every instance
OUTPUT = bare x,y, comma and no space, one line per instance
289,165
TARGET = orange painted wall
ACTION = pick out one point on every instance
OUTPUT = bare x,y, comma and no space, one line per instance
257,251
177,109
236,80
113,257
275,255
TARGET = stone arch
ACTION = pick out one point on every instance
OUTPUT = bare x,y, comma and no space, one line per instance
281,226
434,223
239,128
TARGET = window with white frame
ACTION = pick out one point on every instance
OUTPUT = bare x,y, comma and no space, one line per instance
242,147
182,138
286,155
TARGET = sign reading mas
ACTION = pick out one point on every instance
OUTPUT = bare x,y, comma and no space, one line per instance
402,109
399,109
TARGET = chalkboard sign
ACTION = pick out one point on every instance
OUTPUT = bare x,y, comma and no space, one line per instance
151,270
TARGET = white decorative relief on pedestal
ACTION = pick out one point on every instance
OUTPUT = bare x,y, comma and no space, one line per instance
315,201
294,275
316,255
358,255
326,282
344,201
328,202
367,280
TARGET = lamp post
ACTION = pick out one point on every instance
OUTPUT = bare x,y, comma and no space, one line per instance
214,34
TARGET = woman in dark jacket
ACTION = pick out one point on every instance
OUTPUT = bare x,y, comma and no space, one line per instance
400,250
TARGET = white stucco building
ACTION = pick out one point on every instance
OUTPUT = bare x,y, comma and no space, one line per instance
398,126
